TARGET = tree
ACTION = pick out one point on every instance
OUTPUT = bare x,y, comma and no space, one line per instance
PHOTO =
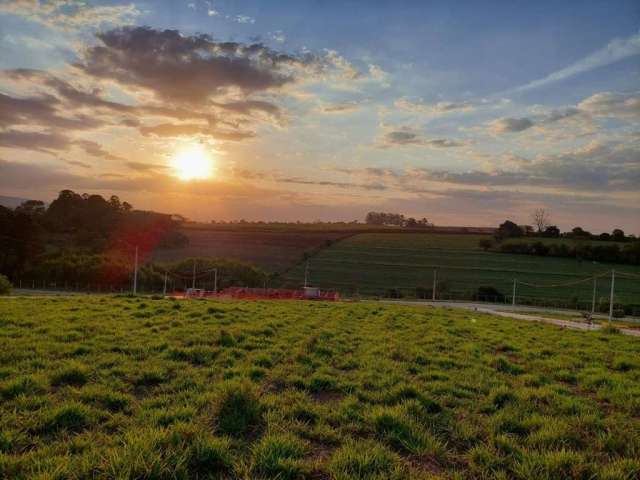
618,235
541,219
551,231
509,229
33,208
578,232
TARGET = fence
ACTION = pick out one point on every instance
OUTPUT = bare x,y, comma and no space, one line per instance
430,282
580,291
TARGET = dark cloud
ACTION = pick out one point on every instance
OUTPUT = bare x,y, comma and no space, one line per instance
184,68
52,142
40,141
95,149
420,106
41,111
327,183
510,125
78,163
406,136
178,130
145,167
342,107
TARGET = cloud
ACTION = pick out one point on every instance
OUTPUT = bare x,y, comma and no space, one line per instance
190,130
420,106
278,36
342,107
622,106
328,183
610,104
70,15
602,167
616,50
95,149
145,167
44,110
379,75
244,19
510,125
404,136
39,141
191,69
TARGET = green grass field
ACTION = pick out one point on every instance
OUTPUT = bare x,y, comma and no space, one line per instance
133,388
373,263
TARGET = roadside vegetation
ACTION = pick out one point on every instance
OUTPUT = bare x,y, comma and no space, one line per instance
125,387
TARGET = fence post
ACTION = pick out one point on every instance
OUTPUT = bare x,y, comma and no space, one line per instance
513,299
613,281
435,282
164,290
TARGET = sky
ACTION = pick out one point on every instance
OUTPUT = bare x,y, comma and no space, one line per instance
466,113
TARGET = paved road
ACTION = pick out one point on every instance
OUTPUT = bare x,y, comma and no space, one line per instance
499,310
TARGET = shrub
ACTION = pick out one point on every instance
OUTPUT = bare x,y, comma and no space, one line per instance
237,410
5,285
488,294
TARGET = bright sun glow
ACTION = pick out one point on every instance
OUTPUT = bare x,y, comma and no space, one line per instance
193,162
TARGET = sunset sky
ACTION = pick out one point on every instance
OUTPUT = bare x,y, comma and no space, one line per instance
464,113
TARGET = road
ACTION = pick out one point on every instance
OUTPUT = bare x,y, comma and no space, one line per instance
499,310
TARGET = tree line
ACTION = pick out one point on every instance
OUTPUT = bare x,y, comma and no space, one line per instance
620,248
77,226
395,219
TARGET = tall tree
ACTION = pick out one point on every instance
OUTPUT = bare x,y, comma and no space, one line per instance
541,218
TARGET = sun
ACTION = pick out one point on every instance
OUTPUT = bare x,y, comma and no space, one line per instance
193,162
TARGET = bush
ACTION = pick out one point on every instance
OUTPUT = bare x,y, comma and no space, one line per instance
393,293
5,285
488,294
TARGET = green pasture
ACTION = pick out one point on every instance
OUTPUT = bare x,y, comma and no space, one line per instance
371,264
139,388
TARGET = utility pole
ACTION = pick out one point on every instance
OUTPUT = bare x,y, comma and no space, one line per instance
193,282
306,274
135,273
613,281
164,290
215,280
593,299
435,282
513,299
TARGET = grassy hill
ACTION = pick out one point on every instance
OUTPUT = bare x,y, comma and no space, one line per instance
371,264
102,388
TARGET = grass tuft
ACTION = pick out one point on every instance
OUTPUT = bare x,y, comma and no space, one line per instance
237,410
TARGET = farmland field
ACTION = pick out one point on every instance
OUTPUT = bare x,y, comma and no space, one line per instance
106,387
271,250
371,264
